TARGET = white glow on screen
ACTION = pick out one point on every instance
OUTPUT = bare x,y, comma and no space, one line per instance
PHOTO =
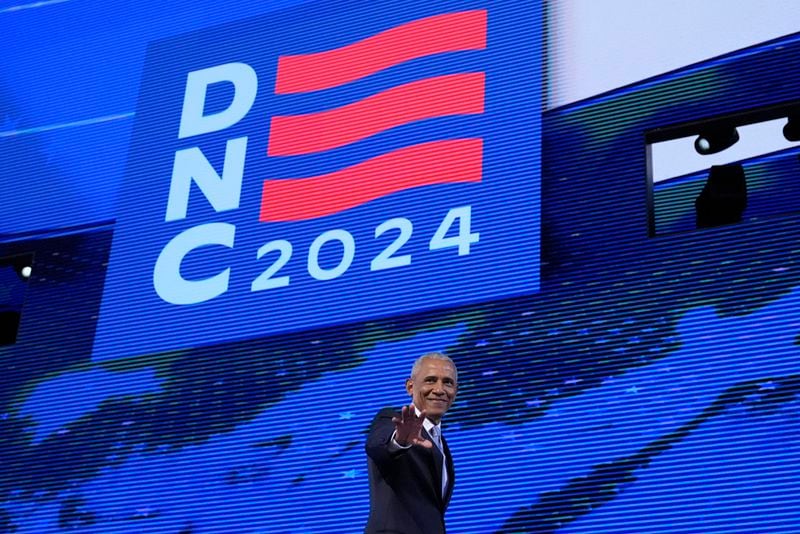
596,46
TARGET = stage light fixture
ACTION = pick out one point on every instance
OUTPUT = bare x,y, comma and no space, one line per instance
715,139
791,131
21,264
723,198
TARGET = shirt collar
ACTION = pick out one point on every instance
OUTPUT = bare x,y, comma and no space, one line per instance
427,424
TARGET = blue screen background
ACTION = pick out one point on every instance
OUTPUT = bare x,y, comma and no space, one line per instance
651,385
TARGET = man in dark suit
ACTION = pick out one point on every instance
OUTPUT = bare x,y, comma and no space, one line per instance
411,474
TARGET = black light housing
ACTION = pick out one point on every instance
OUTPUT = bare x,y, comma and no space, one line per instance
14,273
723,198
791,131
713,139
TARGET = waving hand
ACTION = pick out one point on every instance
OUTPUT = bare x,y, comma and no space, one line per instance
408,428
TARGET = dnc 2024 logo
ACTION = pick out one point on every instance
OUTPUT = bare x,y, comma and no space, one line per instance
338,162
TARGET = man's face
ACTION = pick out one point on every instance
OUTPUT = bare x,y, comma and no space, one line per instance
433,388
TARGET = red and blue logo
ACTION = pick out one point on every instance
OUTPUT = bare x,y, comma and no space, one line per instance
338,162
435,162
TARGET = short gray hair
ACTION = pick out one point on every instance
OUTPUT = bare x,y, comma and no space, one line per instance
433,356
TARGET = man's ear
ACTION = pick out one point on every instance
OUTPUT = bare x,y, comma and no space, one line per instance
410,387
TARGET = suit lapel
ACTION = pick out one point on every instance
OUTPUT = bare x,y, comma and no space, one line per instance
451,473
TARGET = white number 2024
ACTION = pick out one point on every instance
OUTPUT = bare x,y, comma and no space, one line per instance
444,237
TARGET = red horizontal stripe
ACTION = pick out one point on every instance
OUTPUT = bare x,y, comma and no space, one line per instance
437,162
448,32
455,94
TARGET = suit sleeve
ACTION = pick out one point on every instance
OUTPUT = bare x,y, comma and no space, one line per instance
379,441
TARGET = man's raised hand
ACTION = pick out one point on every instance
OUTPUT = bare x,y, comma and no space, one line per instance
408,428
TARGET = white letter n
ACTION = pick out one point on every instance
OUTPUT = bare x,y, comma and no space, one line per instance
222,193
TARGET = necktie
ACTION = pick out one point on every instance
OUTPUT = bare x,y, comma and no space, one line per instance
437,440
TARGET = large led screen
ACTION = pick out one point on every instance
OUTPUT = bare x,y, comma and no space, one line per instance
231,228
388,167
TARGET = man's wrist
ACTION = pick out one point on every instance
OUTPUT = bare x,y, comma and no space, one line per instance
395,445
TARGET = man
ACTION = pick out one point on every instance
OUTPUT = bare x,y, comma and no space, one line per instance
411,472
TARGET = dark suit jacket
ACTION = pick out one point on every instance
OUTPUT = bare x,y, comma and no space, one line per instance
405,486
